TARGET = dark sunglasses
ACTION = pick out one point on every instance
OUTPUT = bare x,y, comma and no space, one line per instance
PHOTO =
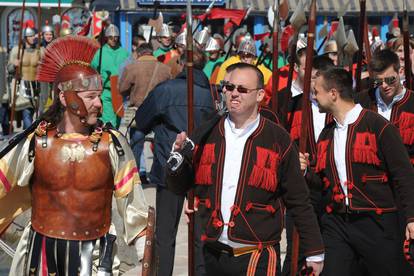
387,80
243,90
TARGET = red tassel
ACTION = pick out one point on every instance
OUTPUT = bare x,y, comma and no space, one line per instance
264,174
321,154
365,149
296,125
406,127
204,173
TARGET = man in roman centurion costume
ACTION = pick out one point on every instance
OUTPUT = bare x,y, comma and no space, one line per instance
74,166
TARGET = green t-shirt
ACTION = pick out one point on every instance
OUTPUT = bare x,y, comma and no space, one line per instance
211,65
111,60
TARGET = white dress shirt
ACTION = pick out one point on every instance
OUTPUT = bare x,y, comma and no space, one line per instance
318,117
235,141
383,109
340,135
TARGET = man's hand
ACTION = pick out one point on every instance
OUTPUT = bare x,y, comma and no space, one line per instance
409,231
317,267
304,160
179,141
188,211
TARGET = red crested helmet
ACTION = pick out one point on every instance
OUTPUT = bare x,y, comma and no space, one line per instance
66,64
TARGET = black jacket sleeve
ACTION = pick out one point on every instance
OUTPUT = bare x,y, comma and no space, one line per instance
398,164
296,199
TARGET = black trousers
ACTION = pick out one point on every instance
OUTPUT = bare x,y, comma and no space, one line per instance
224,264
168,212
361,244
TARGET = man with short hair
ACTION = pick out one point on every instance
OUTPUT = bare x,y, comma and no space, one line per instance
361,163
291,116
137,80
164,111
113,55
244,173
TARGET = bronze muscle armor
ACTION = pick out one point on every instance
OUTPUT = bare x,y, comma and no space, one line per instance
71,188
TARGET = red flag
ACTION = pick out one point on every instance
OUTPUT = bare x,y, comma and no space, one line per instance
86,28
96,25
286,35
261,36
234,15
334,27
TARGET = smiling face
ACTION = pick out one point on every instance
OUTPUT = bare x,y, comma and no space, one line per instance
48,36
243,105
321,95
392,88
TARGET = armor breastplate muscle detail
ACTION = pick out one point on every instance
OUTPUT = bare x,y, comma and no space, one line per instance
72,188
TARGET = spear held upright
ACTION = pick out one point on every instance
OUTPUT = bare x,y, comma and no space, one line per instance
362,18
18,69
407,59
190,126
305,117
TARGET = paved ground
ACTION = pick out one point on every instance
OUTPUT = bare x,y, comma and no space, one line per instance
127,254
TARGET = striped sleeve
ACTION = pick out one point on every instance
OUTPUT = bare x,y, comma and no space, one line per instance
124,168
15,168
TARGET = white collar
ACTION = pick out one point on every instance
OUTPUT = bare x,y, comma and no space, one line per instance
350,117
242,131
395,99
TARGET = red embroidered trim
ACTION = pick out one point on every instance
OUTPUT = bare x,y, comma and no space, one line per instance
264,174
365,149
321,155
406,127
296,124
203,172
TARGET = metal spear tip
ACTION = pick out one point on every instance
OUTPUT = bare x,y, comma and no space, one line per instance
210,7
189,14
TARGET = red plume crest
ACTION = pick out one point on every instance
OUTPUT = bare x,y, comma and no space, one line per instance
66,51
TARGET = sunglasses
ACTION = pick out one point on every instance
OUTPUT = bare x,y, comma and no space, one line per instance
227,86
387,80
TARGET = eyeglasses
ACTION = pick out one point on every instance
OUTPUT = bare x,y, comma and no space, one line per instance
387,80
227,86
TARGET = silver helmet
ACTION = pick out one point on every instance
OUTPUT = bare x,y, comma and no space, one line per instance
247,45
202,37
111,30
214,44
29,32
165,31
181,38
47,28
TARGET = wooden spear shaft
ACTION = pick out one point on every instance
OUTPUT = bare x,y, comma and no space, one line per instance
305,118
362,18
17,73
190,126
275,71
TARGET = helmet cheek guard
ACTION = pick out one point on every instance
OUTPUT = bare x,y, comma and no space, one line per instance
75,105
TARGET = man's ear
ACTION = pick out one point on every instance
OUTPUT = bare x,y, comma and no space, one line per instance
296,68
62,99
260,95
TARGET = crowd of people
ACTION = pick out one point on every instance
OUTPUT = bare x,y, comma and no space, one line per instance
349,196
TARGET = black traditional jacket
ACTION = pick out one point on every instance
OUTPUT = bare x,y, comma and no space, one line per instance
377,167
269,180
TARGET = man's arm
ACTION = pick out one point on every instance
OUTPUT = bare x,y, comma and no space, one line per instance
149,112
126,81
398,164
296,198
